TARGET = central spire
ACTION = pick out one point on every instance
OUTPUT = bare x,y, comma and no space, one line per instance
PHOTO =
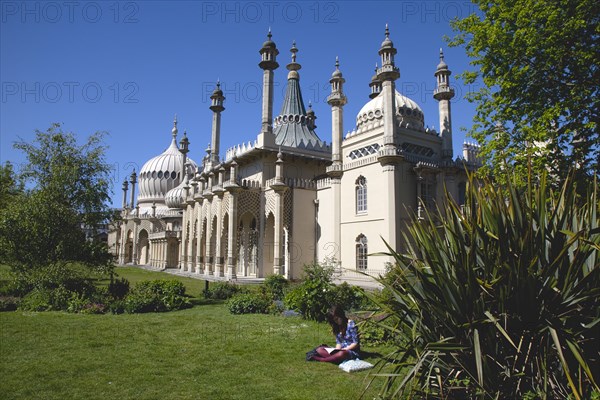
293,127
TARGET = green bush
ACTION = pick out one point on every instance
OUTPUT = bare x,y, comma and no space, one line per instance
156,296
249,303
7,288
68,276
116,306
316,294
36,300
76,303
221,291
347,296
276,285
501,295
9,303
119,288
313,296
374,335
59,297
93,308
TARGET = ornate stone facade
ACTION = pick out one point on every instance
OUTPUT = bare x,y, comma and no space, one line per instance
289,198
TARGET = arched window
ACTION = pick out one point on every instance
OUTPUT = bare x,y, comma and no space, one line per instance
361,195
361,252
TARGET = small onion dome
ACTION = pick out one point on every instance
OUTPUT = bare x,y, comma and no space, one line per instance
176,197
442,64
375,78
269,43
387,42
218,91
337,73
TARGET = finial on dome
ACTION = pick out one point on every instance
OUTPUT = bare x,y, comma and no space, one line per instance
174,130
294,50
387,31
218,83
279,155
310,104
442,64
269,35
337,62
208,148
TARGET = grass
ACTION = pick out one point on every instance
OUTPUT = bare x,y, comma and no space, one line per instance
200,353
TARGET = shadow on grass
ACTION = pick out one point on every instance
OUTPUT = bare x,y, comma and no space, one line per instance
368,355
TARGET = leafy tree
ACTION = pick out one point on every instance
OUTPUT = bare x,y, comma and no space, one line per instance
540,63
76,175
69,192
10,185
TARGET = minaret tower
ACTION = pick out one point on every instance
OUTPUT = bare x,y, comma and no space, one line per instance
388,154
337,100
269,64
133,181
216,105
125,187
443,93
387,74
184,148
375,85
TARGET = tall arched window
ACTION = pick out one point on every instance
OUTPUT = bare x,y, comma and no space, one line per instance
361,195
361,252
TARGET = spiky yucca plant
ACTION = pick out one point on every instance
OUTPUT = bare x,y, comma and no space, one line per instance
499,299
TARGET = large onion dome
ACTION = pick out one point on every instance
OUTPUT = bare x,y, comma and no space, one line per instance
407,111
161,174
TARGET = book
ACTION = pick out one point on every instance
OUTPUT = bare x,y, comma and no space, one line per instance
331,350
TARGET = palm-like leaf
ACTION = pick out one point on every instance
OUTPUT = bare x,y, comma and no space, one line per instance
503,294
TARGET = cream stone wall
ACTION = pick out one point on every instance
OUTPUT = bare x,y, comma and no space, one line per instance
326,245
302,244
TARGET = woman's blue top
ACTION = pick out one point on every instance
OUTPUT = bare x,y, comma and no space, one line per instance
350,337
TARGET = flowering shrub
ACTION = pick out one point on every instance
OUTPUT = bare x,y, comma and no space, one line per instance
221,291
316,293
156,296
249,303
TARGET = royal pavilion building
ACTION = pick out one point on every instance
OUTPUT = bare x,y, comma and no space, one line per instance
289,197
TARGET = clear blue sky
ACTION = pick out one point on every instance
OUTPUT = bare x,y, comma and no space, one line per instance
128,67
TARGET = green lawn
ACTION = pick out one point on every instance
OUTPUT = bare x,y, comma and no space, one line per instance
200,353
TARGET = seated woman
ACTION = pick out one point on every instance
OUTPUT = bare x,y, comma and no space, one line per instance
346,338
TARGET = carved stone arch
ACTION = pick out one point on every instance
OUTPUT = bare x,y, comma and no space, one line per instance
225,203
362,251
360,194
269,203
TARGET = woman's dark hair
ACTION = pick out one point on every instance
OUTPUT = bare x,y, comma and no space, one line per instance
337,319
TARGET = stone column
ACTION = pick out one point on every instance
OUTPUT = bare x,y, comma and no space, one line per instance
164,253
123,239
191,236
233,189
136,221
218,261
279,187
